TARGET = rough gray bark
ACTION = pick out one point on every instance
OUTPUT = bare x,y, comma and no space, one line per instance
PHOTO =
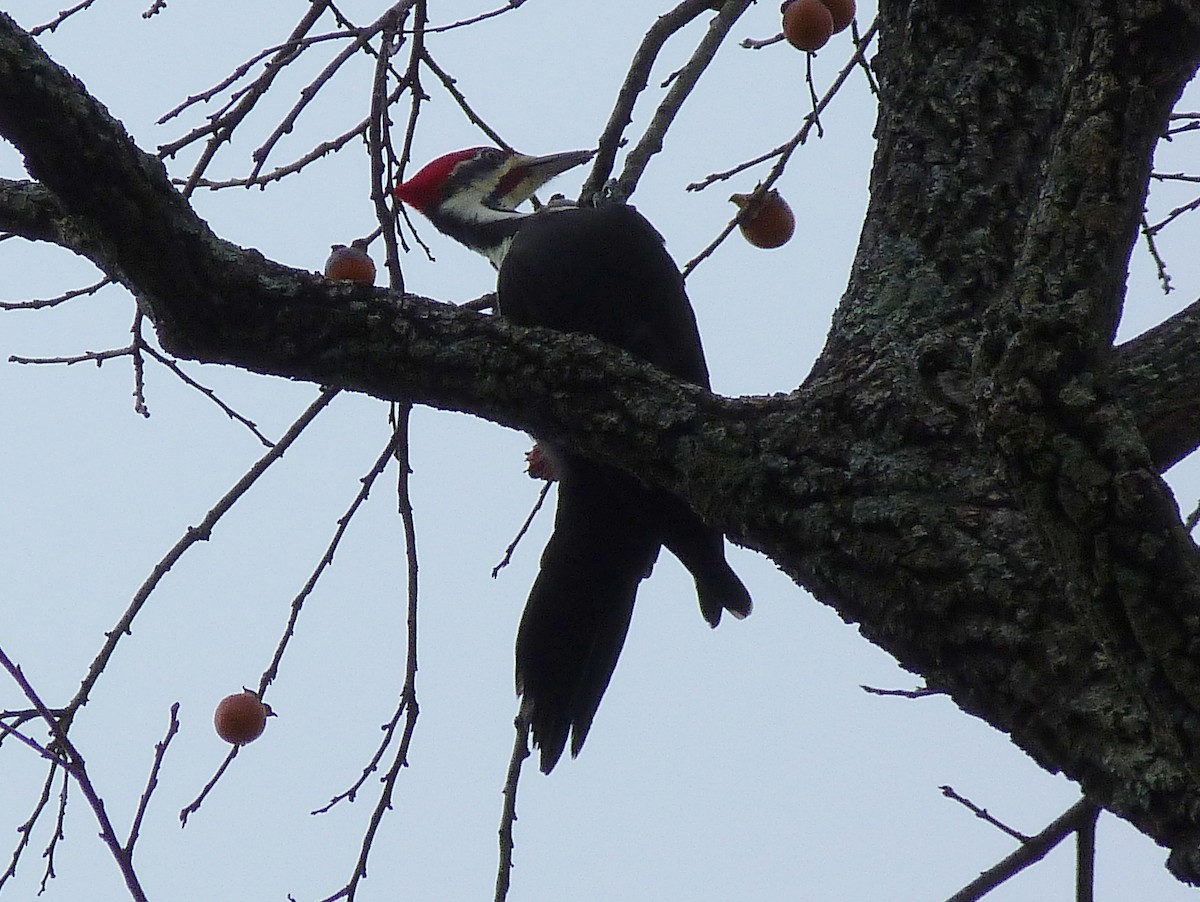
960,474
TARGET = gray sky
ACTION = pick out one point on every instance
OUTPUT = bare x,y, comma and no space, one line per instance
743,762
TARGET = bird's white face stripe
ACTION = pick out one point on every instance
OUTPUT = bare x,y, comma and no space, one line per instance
467,206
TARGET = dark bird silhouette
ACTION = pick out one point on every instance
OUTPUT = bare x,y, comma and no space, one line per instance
602,271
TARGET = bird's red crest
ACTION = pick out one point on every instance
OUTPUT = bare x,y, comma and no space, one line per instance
424,190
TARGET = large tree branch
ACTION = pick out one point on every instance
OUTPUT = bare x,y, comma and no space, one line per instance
976,202
1156,377
1080,468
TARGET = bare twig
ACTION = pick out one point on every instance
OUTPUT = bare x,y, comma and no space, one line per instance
1175,177
1189,207
386,22
194,806
75,765
982,814
25,830
651,141
923,692
41,303
59,833
383,157
782,153
351,793
133,350
62,16
191,536
408,693
1032,850
137,345
814,101
292,46
160,751
491,14
1085,854
512,546
508,816
1164,277
96,357
221,128
174,367
417,95
333,145
759,44
636,79
343,523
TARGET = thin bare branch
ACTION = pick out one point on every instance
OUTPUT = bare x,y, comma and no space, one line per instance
291,46
59,834
922,692
42,303
160,751
1034,849
491,14
982,814
408,693
174,367
191,536
386,22
221,128
96,357
343,523
62,16
1085,855
782,153
75,765
25,830
512,546
636,79
508,815
651,141
1189,207
137,346
382,156
194,806
1160,265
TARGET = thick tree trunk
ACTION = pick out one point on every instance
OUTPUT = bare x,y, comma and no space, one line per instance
959,475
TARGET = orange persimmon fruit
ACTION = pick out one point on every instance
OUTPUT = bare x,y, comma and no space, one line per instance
842,12
241,718
766,222
350,264
807,24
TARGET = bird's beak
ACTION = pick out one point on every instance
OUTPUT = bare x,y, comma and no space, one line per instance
527,173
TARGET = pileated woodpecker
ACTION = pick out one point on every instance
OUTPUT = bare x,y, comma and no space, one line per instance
603,271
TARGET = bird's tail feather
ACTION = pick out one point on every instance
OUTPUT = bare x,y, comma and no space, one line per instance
701,549
578,613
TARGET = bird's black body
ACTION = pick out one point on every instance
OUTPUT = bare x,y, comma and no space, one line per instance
601,271
566,265
563,270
